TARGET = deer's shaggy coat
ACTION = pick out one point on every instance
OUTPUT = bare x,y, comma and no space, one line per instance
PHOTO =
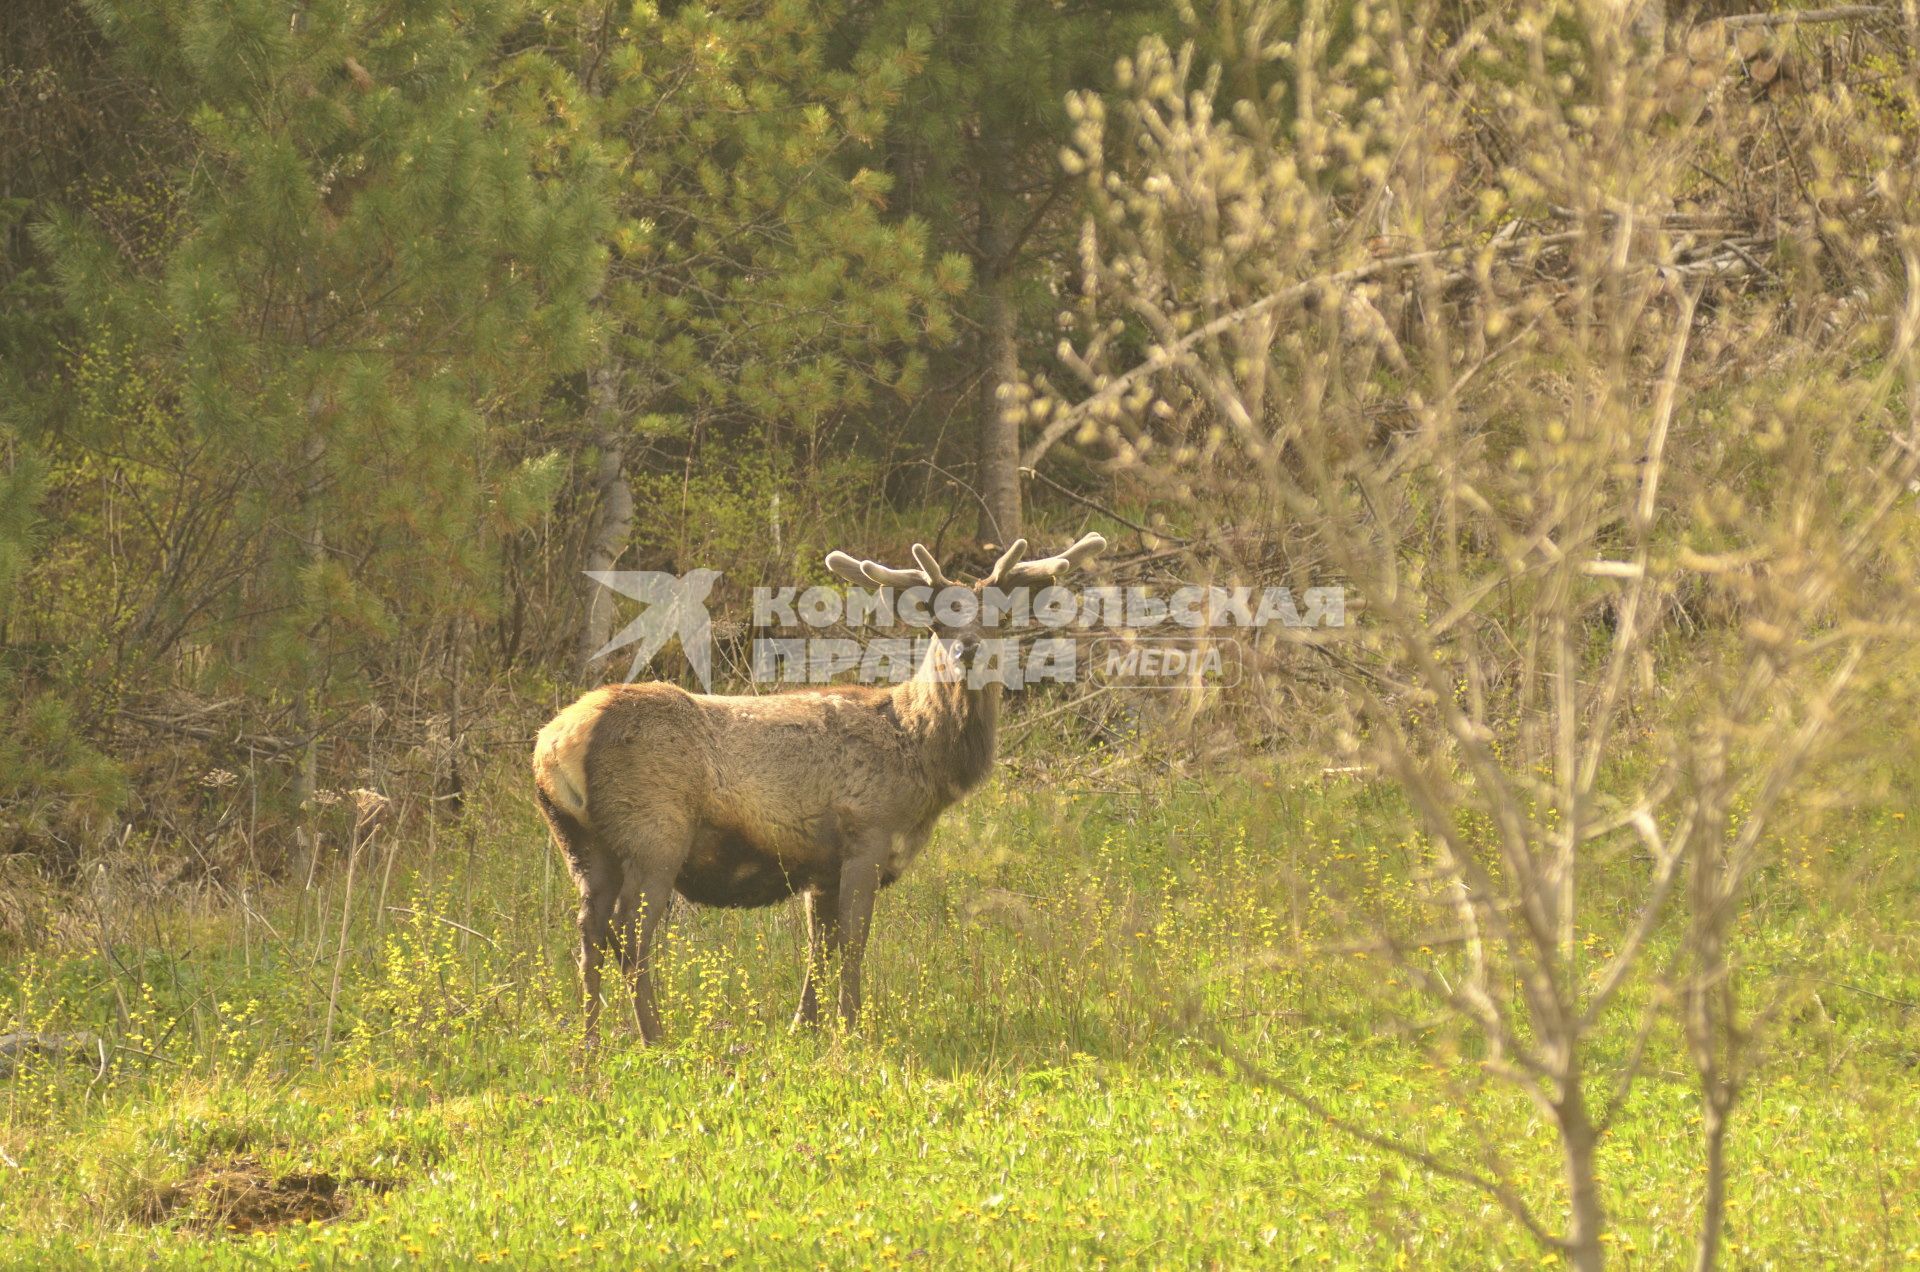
746,801
769,792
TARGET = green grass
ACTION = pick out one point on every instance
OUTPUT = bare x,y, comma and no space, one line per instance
1022,1094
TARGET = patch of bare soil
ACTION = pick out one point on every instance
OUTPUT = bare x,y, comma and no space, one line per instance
240,1195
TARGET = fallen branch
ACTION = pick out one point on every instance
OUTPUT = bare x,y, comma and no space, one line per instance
16,1047
1798,17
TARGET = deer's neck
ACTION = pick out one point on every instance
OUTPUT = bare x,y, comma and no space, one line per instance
955,725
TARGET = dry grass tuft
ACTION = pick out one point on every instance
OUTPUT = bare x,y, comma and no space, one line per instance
240,1195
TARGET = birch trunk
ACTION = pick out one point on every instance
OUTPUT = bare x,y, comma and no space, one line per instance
999,438
612,517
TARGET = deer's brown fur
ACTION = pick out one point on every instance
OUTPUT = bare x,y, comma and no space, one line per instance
822,793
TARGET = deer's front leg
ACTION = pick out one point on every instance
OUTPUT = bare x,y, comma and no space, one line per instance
859,881
823,943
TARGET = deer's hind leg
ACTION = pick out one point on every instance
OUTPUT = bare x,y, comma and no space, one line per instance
652,850
597,874
599,893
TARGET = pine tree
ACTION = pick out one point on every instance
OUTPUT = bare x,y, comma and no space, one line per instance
761,293
975,146
68,121
376,242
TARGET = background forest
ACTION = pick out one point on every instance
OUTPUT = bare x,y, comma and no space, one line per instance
1563,905
341,338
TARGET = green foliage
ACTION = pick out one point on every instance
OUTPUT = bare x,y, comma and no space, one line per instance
54,786
527,491
979,127
299,356
753,513
758,284
21,483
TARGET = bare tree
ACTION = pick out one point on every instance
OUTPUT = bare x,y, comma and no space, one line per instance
1616,464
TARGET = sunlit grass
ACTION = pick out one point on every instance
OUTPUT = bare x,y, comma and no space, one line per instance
1024,1092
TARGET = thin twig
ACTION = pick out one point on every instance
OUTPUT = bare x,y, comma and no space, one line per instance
401,909
1025,726
1064,421
1100,507
340,953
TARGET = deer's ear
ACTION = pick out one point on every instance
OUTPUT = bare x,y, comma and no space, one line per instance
846,567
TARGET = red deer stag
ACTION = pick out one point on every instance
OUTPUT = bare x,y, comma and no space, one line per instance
827,793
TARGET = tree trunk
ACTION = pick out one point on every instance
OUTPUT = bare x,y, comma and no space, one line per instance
1713,1207
1588,1216
999,451
306,773
456,780
612,518
1713,1033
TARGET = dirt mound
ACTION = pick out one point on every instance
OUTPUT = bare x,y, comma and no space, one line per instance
240,1195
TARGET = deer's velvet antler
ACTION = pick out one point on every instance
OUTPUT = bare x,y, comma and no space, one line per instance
1047,569
862,571
1008,571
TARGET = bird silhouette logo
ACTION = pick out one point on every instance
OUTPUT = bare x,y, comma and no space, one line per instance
673,605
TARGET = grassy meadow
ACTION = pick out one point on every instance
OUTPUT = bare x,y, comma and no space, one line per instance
389,1075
